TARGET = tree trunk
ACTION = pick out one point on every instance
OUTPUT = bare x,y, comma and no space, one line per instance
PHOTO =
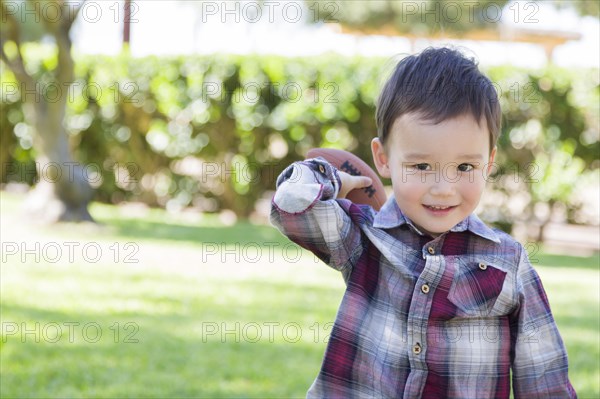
62,192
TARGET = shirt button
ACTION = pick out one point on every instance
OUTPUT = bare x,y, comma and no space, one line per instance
417,349
482,266
431,250
322,169
425,289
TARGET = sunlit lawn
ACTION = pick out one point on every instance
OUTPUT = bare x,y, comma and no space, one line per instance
157,306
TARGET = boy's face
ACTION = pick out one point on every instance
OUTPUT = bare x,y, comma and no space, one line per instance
438,172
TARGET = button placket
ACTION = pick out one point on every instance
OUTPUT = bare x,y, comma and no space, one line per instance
420,308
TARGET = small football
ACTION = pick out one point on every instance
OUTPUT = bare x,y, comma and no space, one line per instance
374,195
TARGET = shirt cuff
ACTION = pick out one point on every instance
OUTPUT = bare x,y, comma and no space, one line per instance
304,183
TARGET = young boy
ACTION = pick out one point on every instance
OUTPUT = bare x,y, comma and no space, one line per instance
437,304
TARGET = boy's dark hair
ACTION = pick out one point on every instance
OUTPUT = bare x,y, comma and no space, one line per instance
438,84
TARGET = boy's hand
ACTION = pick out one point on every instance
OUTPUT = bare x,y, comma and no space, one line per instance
350,183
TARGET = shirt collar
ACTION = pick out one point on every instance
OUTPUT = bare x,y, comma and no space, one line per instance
390,216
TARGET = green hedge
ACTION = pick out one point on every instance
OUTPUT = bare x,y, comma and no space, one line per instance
215,131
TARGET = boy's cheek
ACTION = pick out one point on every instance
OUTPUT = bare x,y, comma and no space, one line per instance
411,188
476,181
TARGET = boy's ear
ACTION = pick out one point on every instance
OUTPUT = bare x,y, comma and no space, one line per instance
490,164
380,158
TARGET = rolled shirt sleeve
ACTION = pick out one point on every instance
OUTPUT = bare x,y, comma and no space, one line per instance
539,357
305,210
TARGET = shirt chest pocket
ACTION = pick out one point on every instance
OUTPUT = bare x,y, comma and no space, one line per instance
475,287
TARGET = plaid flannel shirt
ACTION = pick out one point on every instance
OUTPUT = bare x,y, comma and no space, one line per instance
449,317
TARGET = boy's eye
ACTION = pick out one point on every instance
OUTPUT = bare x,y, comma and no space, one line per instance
422,166
465,167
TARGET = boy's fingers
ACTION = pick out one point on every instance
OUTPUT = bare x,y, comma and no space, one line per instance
350,183
355,182
362,181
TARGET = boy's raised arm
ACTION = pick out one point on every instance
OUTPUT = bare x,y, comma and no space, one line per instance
304,209
539,360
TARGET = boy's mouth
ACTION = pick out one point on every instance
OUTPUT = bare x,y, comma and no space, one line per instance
439,208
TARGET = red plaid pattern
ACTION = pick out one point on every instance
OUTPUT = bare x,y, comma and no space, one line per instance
450,317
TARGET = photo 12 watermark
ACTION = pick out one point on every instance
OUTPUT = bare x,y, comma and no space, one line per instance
53,92
53,172
253,12
468,11
287,92
71,332
89,11
253,252
69,252
253,332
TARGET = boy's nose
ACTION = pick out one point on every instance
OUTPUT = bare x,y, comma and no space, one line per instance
442,187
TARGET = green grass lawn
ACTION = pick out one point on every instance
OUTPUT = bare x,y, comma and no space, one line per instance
170,306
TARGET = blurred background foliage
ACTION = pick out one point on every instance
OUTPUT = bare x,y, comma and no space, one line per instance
213,132
431,17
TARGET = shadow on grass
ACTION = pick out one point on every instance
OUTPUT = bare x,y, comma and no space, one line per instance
156,225
241,232
244,233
